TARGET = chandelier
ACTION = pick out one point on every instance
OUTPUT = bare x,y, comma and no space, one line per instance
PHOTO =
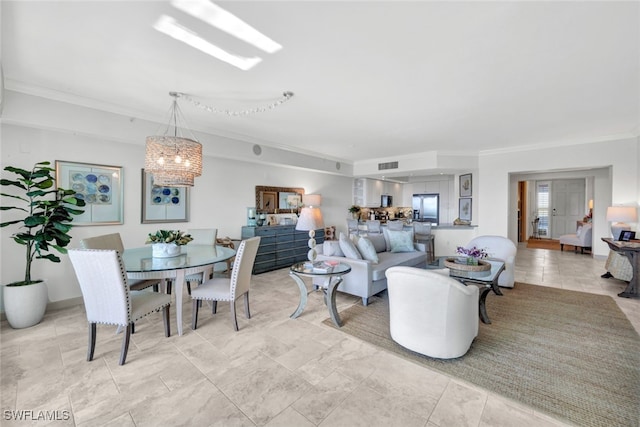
174,161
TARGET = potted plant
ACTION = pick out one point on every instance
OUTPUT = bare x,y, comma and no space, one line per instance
355,211
47,212
166,243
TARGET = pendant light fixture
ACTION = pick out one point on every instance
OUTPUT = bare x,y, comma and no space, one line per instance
174,161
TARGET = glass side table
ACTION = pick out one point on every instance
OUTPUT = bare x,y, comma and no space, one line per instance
333,276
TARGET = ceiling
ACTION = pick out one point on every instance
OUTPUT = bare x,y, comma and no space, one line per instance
372,80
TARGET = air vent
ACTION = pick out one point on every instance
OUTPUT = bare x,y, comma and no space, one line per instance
388,165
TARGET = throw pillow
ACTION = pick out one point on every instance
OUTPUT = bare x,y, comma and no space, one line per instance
401,241
367,250
348,248
578,231
378,242
331,248
388,240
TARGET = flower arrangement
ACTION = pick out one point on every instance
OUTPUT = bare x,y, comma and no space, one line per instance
472,252
354,209
169,236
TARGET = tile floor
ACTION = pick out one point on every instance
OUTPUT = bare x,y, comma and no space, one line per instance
274,372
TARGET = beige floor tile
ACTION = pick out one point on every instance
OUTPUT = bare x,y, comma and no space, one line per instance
275,371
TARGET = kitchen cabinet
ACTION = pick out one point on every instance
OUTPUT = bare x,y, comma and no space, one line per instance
367,192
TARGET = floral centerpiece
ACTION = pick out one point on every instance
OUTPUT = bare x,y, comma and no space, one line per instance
470,256
166,243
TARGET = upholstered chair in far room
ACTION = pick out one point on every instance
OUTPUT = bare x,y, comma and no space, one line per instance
229,289
108,299
431,313
373,226
580,239
503,249
114,242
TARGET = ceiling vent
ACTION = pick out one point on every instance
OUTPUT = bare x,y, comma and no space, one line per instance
387,166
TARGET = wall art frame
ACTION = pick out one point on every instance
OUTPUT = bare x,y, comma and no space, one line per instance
466,185
161,204
100,186
464,209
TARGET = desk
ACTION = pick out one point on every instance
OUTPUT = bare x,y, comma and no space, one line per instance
194,259
488,279
334,278
632,251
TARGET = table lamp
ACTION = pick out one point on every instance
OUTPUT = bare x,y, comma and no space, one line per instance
619,216
310,220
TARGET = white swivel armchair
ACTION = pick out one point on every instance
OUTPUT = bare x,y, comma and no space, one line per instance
431,313
501,248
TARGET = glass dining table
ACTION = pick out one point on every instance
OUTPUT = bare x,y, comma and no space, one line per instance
194,259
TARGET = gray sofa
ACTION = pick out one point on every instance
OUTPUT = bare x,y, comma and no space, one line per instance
366,277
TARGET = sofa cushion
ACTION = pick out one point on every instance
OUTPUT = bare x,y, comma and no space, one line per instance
388,259
388,239
378,242
401,241
332,248
348,248
366,249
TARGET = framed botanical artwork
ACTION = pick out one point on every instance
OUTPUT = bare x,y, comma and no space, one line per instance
100,186
163,204
464,209
465,185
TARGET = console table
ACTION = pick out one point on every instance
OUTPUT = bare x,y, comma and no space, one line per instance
280,246
632,251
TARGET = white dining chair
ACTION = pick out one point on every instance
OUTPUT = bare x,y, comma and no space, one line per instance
201,236
114,241
108,298
229,289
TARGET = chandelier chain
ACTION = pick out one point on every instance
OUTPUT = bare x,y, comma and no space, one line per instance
286,96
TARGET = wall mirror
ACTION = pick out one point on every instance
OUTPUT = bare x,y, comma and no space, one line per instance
282,199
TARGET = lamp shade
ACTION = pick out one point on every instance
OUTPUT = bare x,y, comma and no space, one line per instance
310,219
622,213
173,161
312,200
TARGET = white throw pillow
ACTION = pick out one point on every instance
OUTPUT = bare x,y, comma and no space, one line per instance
331,248
348,248
401,241
388,239
578,231
366,249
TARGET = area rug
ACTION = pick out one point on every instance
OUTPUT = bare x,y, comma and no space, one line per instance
572,355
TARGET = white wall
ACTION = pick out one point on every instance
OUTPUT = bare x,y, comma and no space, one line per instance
499,173
219,199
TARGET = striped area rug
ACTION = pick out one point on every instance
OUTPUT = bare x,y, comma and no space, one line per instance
570,354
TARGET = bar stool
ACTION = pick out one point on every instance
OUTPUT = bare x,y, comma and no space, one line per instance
422,234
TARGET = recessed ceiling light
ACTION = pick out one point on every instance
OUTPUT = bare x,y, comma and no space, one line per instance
170,27
225,21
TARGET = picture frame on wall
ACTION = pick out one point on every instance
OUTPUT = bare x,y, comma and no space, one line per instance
466,185
163,203
464,209
100,186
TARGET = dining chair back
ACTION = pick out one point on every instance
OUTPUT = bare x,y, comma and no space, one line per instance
373,226
201,236
113,241
108,299
229,289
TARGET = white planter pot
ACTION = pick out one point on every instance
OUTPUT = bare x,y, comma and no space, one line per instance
24,306
165,250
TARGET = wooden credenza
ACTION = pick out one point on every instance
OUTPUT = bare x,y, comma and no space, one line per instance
280,246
